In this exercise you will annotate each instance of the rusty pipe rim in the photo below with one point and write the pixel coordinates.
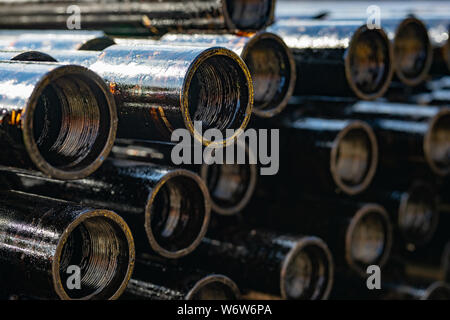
(214, 287)
(418, 215)
(109, 237)
(72, 159)
(380, 255)
(314, 251)
(354, 131)
(435, 143)
(234, 24)
(416, 30)
(362, 40)
(261, 48)
(170, 240)
(214, 63)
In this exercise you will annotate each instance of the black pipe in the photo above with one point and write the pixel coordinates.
(58, 119)
(439, 32)
(162, 88)
(269, 60)
(434, 291)
(408, 135)
(45, 40)
(358, 234)
(157, 16)
(230, 185)
(338, 58)
(20, 55)
(328, 154)
(156, 280)
(167, 209)
(41, 237)
(290, 267)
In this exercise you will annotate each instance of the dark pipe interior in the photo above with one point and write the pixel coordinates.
(100, 248)
(218, 94)
(369, 61)
(440, 142)
(71, 122)
(307, 274)
(269, 66)
(178, 213)
(214, 290)
(249, 14)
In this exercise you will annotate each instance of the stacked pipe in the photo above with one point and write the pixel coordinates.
(90, 120)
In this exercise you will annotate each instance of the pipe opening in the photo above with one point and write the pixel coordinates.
(271, 68)
(99, 247)
(417, 215)
(439, 144)
(249, 14)
(369, 239)
(72, 120)
(33, 56)
(97, 44)
(308, 273)
(230, 186)
(219, 94)
(369, 62)
(355, 158)
(177, 216)
(412, 52)
(214, 288)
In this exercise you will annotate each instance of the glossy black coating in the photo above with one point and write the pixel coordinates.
(267, 262)
(41, 123)
(45, 40)
(269, 60)
(21, 55)
(331, 57)
(157, 16)
(166, 280)
(230, 186)
(162, 88)
(167, 209)
(407, 134)
(40, 238)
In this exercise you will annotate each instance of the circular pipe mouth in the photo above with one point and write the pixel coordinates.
(368, 63)
(413, 52)
(437, 143)
(97, 44)
(248, 15)
(214, 287)
(272, 68)
(177, 214)
(70, 123)
(354, 158)
(307, 271)
(368, 239)
(418, 216)
(230, 186)
(100, 244)
(218, 93)
(437, 291)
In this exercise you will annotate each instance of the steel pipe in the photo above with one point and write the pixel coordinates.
(357, 61)
(230, 185)
(45, 40)
(155, 280)
(167, 209)
(58, 119)
(41, 238)
(330, 154)
(434, 291)
(269, 60)
(162, 88)
(19, 55)
(290, 267)
(157, 16)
